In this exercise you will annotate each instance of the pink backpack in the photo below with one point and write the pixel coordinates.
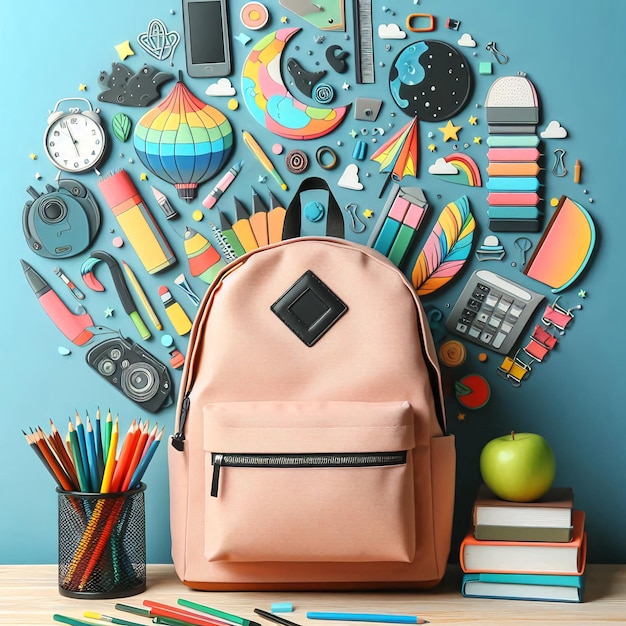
(310, 448)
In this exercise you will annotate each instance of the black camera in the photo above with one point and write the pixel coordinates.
(133, 371)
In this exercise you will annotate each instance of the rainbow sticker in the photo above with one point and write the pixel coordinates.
(457, 168)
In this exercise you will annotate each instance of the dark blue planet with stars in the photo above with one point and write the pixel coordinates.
(431, 80)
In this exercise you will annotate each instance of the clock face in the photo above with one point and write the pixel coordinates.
(75, 142)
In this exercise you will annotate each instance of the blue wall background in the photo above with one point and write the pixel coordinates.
(572, 53)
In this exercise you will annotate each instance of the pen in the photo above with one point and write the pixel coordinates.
(368, 617)
(218, 191)
(141, 294)
(110, 619)
(275, 618)
(256, 149)
(242, 621)
(76, 292)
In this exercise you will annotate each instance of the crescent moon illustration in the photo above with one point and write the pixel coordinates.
(270, 102)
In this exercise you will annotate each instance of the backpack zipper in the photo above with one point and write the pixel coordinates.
(178, 440)
(333, 459)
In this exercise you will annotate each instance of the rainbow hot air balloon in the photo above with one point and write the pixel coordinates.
(183, 140)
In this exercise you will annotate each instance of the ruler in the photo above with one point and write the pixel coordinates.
(364, 41)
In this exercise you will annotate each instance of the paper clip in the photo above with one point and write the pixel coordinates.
(413, 17)
(500, 56)
(356, 224)
(559, 168)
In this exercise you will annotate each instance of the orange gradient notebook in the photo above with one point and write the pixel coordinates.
(527, 557)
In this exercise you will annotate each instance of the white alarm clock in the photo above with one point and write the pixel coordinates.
(75, 140)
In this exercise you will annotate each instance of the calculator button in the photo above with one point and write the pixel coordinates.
(495, 321)
(461, 328)
(474, 305)
(516, 310)
(486, 337)
(506, 327)
(483, 317)
(504, 305)
(498, 340)
(474, 332)
(491, 300)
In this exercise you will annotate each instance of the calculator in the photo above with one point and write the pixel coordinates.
(492, 311)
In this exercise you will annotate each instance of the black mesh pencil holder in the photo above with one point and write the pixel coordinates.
(102, 544)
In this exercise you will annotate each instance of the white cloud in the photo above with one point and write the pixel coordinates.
(554, 130)
(441, 166)
(350, 178)
(390, 31)
(223, 87)
(467, 41)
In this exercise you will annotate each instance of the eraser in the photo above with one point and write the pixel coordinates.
(282, 607)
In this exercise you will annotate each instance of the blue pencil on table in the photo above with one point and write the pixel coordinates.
(367, 617)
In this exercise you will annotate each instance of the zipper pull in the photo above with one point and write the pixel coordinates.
(178, 440)
(217, 464)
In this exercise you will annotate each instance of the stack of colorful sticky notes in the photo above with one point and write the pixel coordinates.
(525, 550)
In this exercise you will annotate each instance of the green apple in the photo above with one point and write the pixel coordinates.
(519, 467)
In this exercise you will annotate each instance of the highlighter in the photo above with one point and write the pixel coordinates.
(180, 320)
(138, 224)
(75, 326)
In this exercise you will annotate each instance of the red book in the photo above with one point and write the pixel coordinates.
(527, 557)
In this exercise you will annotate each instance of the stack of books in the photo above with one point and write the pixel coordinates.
(525, 550)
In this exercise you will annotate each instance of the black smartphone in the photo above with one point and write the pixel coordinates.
(207, 39)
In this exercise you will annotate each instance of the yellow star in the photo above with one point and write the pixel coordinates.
(124, 50)
(32, 156)
(143, 176)
(461, 417)
(82, 87)
(477, 139)
(368, 213)
(284, 19)
(473, 120)
(450, 131)
(432, 147)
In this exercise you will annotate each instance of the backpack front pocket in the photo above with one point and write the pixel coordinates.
(300, 481)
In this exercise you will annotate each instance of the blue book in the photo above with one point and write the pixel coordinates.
(544, 587)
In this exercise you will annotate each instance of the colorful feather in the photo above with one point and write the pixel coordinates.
(447, 248)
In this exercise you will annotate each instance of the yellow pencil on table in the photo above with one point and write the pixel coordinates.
(141, 294)
(256, 149)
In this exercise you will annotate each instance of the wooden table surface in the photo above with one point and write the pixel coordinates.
(29, 595)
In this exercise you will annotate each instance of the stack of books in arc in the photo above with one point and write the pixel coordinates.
(525, 550)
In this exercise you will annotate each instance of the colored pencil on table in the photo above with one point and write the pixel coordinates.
(110, 619)
(367, 617)
(164, 610)
(242, 621)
